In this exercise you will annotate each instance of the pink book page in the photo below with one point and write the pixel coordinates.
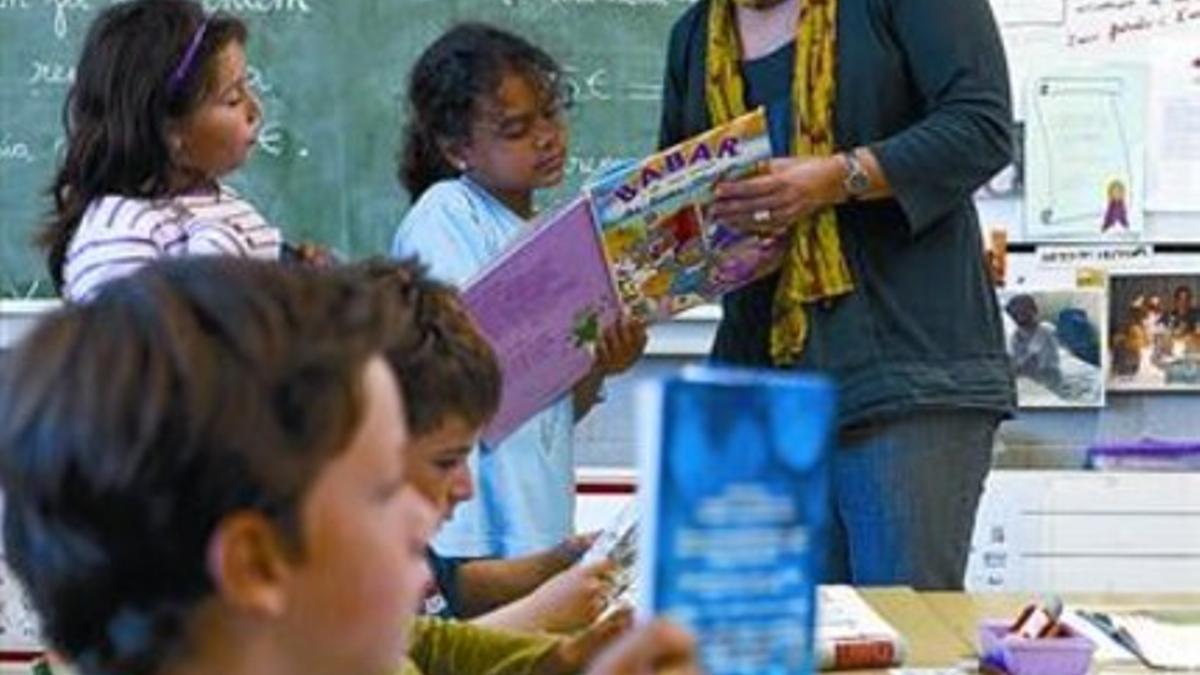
(542, 307)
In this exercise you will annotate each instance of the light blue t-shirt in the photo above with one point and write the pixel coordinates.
(525, 486)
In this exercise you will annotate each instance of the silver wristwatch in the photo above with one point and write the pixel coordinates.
(856, 182)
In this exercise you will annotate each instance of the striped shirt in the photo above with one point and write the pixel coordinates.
(117, 235)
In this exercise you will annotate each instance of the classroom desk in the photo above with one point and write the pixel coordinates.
(963, 611)
(940, 628)
(931, 641)
(958, 614)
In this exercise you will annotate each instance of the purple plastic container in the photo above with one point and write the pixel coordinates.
(1069, 654)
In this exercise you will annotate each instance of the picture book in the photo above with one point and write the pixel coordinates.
(734, 500)
(666, 254)
(618, 539)
(542, 306)
(638, 241)
(618, 542)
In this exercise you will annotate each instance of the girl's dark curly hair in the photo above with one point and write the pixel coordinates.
(463, 66)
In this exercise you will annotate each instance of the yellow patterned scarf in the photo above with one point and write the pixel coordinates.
(814, 267)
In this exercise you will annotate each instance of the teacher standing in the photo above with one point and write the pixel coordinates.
(885, 117)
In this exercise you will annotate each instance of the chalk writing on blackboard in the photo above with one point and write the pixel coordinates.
(258, 81)
(51, 73)
(587, 86)
(272, 139)
(62, 12)
(586, 165)
(644, 91)
(14, 150)
(597, 85)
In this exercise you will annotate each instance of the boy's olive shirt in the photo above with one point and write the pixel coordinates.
(445, 647)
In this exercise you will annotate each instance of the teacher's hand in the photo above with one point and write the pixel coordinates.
(769, 204)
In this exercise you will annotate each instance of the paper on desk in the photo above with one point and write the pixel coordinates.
(843, 614)
(1168, 638)
(1107, 651)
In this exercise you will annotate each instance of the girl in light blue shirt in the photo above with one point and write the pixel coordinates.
(485, 130)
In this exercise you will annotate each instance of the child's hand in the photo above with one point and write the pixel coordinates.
(659, 647)
(309, 255)
(573, 654)
(573, 547)
(573, 598)
(620, 346)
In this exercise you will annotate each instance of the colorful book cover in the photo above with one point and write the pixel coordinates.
(542, 305)
(667, 255)
(734, 490)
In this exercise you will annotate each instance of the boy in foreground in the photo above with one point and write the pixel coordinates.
(203, 472)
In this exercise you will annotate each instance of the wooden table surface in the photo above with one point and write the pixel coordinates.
(962, 612)
(930, 640)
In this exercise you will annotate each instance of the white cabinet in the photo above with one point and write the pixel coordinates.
(1046, 530)
(1087, 531)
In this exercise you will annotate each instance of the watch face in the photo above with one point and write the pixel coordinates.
(858, 182)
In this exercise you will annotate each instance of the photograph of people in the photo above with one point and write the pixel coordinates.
(1153, 331)
(1054, 343)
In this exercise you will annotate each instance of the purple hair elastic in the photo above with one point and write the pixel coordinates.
(184, 68)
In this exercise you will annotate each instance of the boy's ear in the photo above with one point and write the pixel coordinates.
(250, 564)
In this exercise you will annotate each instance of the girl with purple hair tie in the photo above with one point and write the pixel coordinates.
(148, 147)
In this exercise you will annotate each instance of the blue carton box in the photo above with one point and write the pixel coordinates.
(734, 490)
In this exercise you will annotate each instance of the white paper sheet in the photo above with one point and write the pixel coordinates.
(1173, 183)
(1085, 154)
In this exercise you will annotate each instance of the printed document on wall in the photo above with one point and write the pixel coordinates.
(1085, 154)
(1174, 137)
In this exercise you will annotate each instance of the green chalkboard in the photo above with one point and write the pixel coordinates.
(331, 74)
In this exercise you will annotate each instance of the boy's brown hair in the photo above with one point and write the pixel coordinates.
(132, 425)
(444, 365)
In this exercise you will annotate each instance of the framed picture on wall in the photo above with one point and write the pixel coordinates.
(1056, 344)
(1084, 154)
(1154, 331)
